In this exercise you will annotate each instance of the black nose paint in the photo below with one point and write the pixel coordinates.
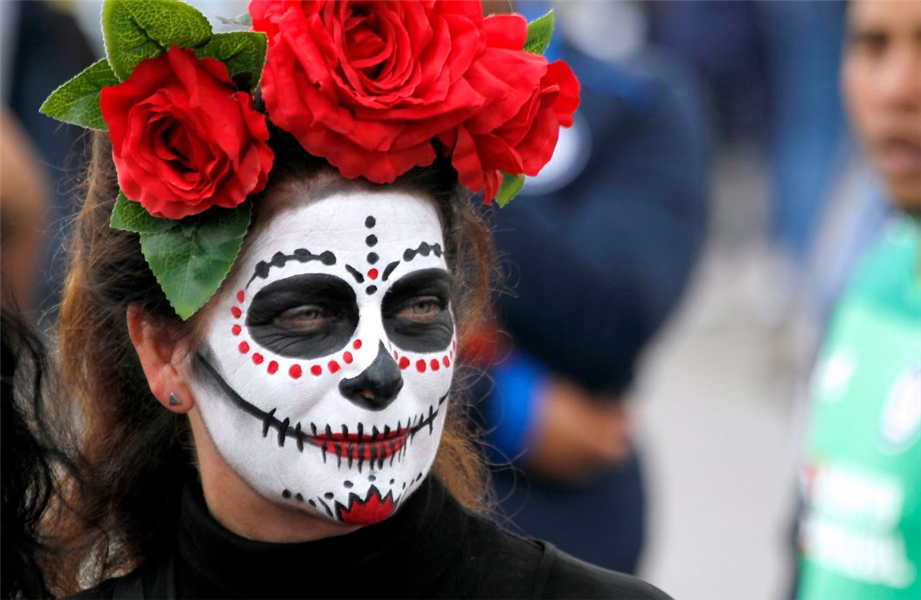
(377, 386)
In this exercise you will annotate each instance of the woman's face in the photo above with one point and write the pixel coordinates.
(325, 368)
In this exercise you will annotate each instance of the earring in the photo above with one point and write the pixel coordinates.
(174, 400)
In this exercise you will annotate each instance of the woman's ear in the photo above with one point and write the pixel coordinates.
(161, 358)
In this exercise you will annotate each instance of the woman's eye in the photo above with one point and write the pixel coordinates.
(421, 309)
(303, 318)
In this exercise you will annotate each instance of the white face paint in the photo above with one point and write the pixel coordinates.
(324, 376)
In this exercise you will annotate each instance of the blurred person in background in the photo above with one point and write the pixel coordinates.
(600, 246)
(23, 206)
(771, 68)
(803, 44)
(860, 533)
(42, 45)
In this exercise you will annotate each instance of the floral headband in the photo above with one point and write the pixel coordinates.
(376, 87)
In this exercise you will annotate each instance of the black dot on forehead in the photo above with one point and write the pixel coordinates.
(370, 222)
(370, 289)
(329, 495)
(371, 240)
(373, 257)
(348, 484)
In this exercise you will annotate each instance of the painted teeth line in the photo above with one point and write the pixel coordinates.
(352, 447)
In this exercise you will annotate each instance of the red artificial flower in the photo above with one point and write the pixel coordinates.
(369, 84)
(183, 138)
(374, 85)
(513, 135)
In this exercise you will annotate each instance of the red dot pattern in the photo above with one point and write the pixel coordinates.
(372, 274)
(236, 312)
(240, 296)
(296, 370)
(421, 365)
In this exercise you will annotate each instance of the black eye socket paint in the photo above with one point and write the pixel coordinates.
(419, 336)
(331, 294)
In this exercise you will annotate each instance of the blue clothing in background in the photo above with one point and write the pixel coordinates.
(804, 46)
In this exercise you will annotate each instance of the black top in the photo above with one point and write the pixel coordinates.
(432, 548)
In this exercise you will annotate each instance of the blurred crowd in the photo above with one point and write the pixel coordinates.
(822, 98)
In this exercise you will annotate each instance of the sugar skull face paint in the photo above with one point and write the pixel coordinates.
(324, 375)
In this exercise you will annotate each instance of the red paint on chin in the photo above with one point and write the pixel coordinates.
(372, 509)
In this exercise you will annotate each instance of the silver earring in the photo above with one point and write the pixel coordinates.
(174, 400)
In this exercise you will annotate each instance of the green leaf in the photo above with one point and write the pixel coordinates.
(539, 33)
(191, 261)
(242, 51)
(77, 101)
(511, 185)
(135, 30)
(129, 215)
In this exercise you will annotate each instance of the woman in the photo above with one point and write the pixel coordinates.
(295, 434)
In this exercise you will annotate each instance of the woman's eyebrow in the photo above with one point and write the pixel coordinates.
(280, 259)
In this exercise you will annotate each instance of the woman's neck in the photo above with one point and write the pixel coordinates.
(239, 508)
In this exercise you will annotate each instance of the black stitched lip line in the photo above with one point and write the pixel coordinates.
(376, 453)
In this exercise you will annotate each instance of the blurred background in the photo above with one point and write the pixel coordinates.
(669, 274)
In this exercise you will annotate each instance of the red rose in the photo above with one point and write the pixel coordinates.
(183, 138)
(514, 134)
(369, 84)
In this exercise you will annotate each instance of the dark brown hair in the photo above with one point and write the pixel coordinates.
(139, 454)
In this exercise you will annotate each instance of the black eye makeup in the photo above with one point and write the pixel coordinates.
(305, 316)
(415, 311)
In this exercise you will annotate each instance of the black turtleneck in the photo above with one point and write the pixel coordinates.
(432, 548)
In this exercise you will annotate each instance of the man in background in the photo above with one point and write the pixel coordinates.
(860, 534)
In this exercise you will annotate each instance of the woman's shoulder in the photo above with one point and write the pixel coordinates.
(522, 567)
(569, 577)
